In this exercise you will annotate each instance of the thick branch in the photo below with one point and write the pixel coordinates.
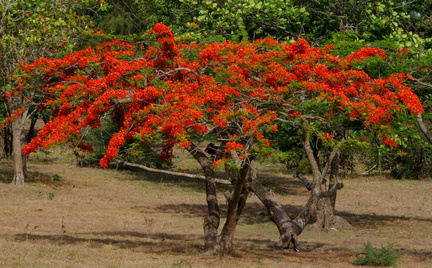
(305, 181)
(312, 161)
(334, 152)
(289, 230)
(423, 128)
(332, 190)
(174, 173)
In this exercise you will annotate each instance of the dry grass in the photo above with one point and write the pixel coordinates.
(113, 218)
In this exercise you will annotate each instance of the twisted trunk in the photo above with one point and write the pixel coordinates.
(322, 199)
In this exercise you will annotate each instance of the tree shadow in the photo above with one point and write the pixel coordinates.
(163, 243)
(256, 213)
(6, 175)
(419, 256)
(280, 184)
(362, 221)
(150, 243)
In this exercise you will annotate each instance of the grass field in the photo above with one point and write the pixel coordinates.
(87, 217)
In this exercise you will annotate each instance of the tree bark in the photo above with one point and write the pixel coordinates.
(326, 219)
(7, 141)
(322, 201)
(423, 128)
(288, 229)
(19, 160)
(212, 219)
(236, 203)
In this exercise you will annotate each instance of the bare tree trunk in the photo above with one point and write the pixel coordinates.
(322, 201)
(7, 136)
(236, 203)
(326, 218)
(212, 220)
(288, 229)
(19, 160)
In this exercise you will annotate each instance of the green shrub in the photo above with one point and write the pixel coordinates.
(371, 256)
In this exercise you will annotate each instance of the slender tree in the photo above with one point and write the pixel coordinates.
(30, 30)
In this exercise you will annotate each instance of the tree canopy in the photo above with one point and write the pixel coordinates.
(182, 90)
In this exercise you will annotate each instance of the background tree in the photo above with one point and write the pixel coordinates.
(230, 93)
(31, 30)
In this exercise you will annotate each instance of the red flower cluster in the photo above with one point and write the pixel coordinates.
(232, 145)
(390, 142)
(175, 92)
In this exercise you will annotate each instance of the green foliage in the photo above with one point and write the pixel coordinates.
(411, 160)
(371, 256)
(57, 178)
(37, 28)
(125, 17)
(121, 18)
(241, 20)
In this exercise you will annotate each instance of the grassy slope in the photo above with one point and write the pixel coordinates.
(113, 218)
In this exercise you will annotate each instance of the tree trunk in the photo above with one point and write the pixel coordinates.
(19, 160)
(7, 138)
(31, 131)
(288, 229)
(309, 210)
(317, 204)
(236, 203)
(326, 218)
(212, 219)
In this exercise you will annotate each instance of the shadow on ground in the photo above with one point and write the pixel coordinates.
(162, 243)
(280, 184)
(256, 213)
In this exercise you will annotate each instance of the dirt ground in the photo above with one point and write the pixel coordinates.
(69, 216)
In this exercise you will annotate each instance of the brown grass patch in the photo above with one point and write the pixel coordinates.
(115, 218)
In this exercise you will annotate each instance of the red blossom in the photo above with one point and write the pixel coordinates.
(390, 142)
(177, 91)
(232, 145)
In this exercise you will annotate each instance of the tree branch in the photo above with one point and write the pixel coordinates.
(423, 128)
(310, 155)
(332, 190)
(174, 173)
(305, 181)
(329, 161)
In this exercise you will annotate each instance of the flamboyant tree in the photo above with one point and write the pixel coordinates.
(234, 94)
(401, 28)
